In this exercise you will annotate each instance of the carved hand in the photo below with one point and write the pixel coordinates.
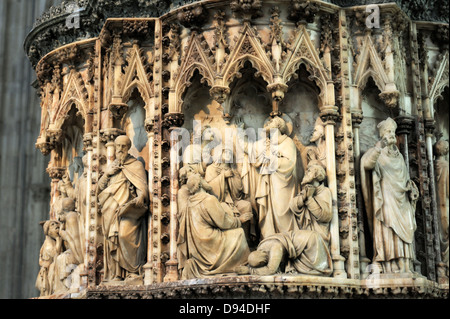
(245, 217)
(309, 190)
(381, 143)
(228, 173)
(240, 123)
(112, 169)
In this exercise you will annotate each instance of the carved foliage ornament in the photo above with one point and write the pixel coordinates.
(247, 8)
(303, 11)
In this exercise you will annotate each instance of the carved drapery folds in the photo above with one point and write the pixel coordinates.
(176, 92)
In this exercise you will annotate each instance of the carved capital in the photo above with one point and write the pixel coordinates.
(430, 126)
(54, 137)
(357, 119)
(118, 109)
(276, 113)
(219, 93)
(405, 124)
(329, 115)
(44, 147)
(278, 90)
(87, 141)
(149, 124)
(56, 173)
(173, 120)
(109, 135)
(390, 98)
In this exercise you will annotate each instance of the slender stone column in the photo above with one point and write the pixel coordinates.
(87, 141)
(148, 267)
(175, 120)
(440, 266)
(108, 137)
(357, 119)
(338, 260)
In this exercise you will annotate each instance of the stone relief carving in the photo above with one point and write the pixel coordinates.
(123, 199)
(50, 249)
(274, 158)
(318, 151)
(312, 207)
(441, 171)
(304, 250)
(210, 241)
(224, 75)
(69, 262)
(226, 183)
(390, 198)
(61, 257)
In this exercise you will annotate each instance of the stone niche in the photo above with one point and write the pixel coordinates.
(132, 91)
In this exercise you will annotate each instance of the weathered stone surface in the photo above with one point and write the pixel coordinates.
(315, 75)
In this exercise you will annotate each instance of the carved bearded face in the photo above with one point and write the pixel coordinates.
(389, 136)
(122, 144)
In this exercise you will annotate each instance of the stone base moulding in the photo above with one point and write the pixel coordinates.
(273, 287)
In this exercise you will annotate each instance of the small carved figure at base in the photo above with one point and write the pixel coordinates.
(50, 249)
(296, 252)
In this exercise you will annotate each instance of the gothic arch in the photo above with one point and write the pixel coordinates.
(441, 80)
(304, 52)
(76, 93)
(248, 48)
(370, 65)
(195, 59)
(137, 75)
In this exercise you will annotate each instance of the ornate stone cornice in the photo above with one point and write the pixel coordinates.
(52, 29)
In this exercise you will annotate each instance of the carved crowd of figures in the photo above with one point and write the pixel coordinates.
(253, 218)
(292, 216)
(253, 207)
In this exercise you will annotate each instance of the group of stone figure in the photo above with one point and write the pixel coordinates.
(123, 200)
(252, 218)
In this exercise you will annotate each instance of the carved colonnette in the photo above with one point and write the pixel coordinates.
(168, 65)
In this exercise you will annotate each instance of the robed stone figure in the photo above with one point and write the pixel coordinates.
(123, 197)
(442, 187)
(275, 160)
(226, 183)
(210, 241)
(390, 199)
(50, 250)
